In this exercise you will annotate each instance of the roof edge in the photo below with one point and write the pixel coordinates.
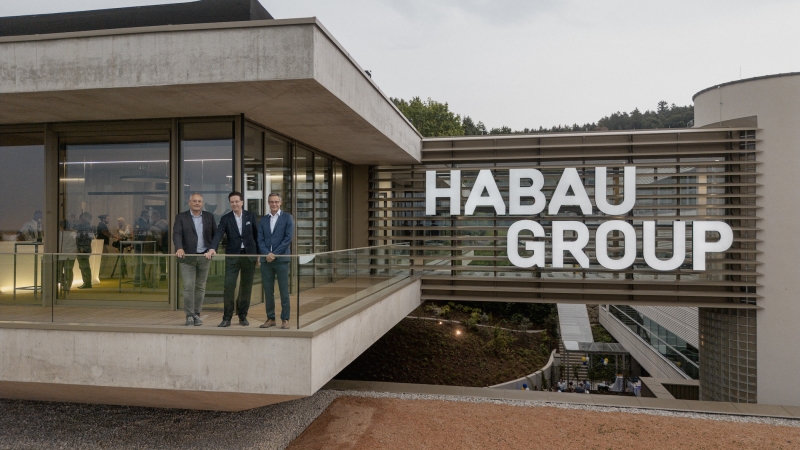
(162, 29)
(762, 77)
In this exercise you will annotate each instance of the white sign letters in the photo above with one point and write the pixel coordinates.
(571, 236)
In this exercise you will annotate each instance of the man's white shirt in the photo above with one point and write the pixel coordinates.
(273, 219)
(239, 224)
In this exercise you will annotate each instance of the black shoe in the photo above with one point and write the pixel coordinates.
(243, 321)
(189, 321)
(197, 321)
(85, 286)
(224, 323)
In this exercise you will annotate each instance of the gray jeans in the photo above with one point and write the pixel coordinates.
(194, 271)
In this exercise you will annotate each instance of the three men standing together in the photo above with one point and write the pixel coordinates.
(196, 233)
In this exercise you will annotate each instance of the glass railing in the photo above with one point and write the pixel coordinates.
(140, 287)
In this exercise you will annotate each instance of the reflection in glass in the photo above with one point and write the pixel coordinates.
(207, 164)
(341, 215)
(304, 216)
(103, 188)
(278, 170)
(206, 154)
(22, 185)
(21, 218)
(322, 204)
(254, 171)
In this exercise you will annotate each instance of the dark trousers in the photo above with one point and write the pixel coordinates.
(86, 270)
(269, 272)
(233, 266)
(65, 270)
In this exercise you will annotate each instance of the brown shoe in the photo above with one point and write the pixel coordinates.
(285, 325)
(268, 324)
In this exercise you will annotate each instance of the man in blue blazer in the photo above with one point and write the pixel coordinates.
(275, 239)
(242, 231)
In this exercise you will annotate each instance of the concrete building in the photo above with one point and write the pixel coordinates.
(128, 117)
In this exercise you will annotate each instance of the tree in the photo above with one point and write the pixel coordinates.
(471, 128)
(430, 117)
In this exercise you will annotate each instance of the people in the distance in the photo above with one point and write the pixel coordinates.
(274, 239)
(66, 261)
(241, 230)
(140, 235)
(162, 242)
(31, 230)
(123, 233)
(102, 232)
(83, 241)
(192, 234)
(161, 237)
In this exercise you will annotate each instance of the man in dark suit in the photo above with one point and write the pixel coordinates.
(242, 231)
(274, 239)
(192, 234)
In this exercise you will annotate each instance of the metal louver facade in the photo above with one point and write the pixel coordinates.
(682, 175)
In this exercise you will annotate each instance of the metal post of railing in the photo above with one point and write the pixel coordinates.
(297, 286)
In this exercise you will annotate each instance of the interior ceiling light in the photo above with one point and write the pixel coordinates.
(145, 178)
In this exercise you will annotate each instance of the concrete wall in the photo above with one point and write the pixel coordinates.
(289, 75)
(235, 364)
(336, 347)
(348, 82)
(199, 368)
(776, 103)
(158, 59)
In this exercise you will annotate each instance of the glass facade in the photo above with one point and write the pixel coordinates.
(114, 215)
(729, 367)
(118, 187)
(682, 354)
(207, 155)
(21, 215)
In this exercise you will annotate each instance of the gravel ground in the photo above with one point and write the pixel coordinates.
(42, 425)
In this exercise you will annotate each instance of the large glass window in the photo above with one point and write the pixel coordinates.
(254, 171)
(21, 216)
(22, 184)
(114, 213)
(305, 202)
(206, 154)
(207, 164)
(278, 170)
(341, 196)
(322, 204)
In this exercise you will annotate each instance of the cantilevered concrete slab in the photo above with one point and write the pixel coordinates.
(225, 369)
(289, 75)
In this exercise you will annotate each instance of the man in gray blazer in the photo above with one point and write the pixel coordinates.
(274, 239)
(192, 234)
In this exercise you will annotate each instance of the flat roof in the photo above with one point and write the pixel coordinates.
(290, 75)
(763, 77)
(191, 12)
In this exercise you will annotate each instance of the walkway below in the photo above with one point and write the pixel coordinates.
(690, 406)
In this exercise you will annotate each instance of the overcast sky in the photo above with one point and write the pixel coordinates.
(526, 63)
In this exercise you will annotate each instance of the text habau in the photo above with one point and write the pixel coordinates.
(571, 180)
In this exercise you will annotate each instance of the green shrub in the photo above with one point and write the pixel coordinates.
(501, 341)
